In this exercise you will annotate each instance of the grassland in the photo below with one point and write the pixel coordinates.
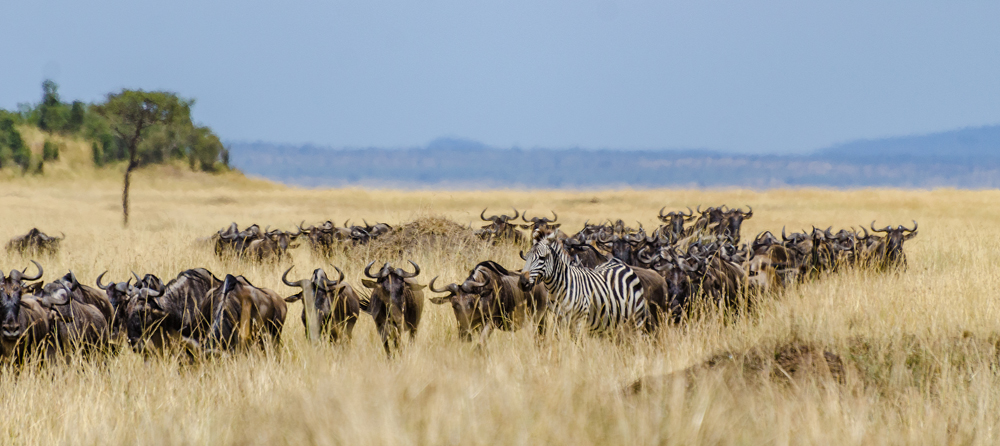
(919, 346)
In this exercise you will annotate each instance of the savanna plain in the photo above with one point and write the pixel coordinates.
(919, 346)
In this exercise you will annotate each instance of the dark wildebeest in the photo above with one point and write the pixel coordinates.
(682, 275)
(181, 311)
(245, 314)
(25, 325)
(492, 298)
(673, 224)
(542, 223)
(79, 324)
(232, 242)
(500, 228)
(35, 242)
(336, 304)
(396, 302)
(887, 252)
(84, 294)
(270, 246)
(118, 296)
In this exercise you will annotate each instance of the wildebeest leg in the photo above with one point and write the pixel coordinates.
(349, 329)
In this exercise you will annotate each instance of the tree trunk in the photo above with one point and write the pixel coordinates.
(128, 177)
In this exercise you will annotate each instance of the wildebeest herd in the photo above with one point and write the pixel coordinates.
(605, 278)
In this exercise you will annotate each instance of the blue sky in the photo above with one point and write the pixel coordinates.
(774, 77)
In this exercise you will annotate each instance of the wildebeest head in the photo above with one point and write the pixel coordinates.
(468, 300)
(734, 221)
(14, 284)
(500, 226)
(12, 288)
(679, 273)
(674, 220)
(59, 291)
(623, 245)
(145, 315)
(540, 222)
(763, 240)
(894, 238)
(283, 239)
(118, 296)
(323, 290)
(390, 287)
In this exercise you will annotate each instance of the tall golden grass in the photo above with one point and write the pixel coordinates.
(919, 345)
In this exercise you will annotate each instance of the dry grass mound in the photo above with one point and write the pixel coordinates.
(786, 363)
(424, 234)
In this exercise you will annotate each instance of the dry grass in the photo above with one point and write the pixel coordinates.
(918, 347)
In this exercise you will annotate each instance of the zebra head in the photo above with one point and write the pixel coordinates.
(541, 259)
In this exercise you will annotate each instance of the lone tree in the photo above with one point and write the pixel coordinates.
(132, 113)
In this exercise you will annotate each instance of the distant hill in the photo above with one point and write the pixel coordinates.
(971, 144)
(966, 158)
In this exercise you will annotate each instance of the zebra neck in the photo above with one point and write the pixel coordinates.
(560, 268)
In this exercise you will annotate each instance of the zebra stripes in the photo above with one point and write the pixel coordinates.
(605, 298)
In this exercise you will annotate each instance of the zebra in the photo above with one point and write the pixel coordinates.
(605, 298)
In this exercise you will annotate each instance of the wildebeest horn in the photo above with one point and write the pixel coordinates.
(886, 229)
(446, 289)
(341, 273)
(910, 230)
(284, 278)
(482, 215)
(661, 212)
(515, 213)
(346, 222)
(368, 272)
(698, 209)
(521, 253)
(103, 287)
(415, 273)
(37, 276)
(137, 279)
(749, 213)
(63, 236)
(783, 237)
(690, 212)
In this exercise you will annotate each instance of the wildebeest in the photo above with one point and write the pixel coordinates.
(396, 302)
(25, 325)
(78, 323)
(83, 294)
(180, 312)
(542, 223)
(117, 294)
(500, 228)
(887, 252)
(335, 304)
(673, 224)
(35, 242)
(245, 314)
(492, 298)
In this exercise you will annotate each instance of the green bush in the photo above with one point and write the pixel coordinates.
(97, 154)
(50, 151)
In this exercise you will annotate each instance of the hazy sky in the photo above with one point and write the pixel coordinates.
(772, 77)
